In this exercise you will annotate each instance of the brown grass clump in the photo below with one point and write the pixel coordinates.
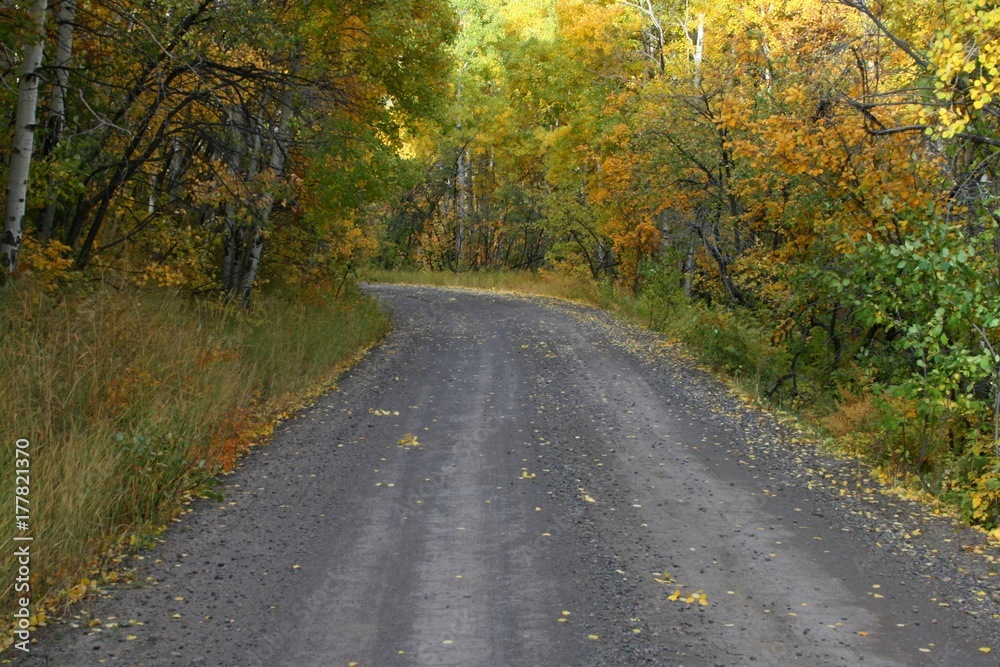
(133, 399)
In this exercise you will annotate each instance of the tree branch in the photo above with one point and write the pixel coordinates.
(862, 6)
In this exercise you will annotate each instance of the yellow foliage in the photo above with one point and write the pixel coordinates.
(50, 264)
(965, 59)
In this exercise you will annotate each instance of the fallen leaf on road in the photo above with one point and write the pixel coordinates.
(409, 440)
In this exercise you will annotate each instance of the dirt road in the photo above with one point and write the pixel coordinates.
(515, 481)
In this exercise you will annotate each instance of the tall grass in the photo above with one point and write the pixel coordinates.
(132, 399)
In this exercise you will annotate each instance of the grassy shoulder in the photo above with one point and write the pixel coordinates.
(132, 401)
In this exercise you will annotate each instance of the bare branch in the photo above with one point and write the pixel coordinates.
(862, 6)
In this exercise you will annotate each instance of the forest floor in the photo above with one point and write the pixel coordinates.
(516, 480)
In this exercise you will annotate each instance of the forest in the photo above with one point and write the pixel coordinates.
(803, 191)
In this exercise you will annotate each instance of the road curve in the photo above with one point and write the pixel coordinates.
(518, 481)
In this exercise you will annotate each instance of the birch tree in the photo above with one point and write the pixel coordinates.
(23, 143)
(56, 121)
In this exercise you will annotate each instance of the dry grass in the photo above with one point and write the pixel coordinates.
(130, 400)
(852, 415)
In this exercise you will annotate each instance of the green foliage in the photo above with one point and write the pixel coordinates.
(941, 314)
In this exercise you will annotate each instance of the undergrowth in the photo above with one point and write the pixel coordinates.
(133, 400)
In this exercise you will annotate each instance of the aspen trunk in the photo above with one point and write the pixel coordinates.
(23, 144)
(241, 162)
(699, 50)
(279, 151)
(65, 17)
(462, 205)
(231, 242)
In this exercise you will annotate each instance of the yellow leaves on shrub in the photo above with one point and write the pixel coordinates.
(985, 498)
(162, 275)
(965, 59)
(49, 263)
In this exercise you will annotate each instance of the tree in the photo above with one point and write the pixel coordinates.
(23, 143)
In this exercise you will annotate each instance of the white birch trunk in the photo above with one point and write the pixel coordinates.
(177, 163)
(151, 198)
(462, 205)
(65, 17)
(765, 46)
(699, 50)
(23, 144)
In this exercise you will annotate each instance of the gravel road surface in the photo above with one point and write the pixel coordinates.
(519, 481)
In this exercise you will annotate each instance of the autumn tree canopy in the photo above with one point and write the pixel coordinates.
(200, 143)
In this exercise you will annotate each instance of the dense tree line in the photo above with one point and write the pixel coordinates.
(186, 142)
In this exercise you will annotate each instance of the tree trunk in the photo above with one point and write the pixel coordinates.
(65, 17)
(232, 240)
(722, 261)
(279, 151)
(689, 272)
(462, 206)
(699, 50)
(22, 145)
